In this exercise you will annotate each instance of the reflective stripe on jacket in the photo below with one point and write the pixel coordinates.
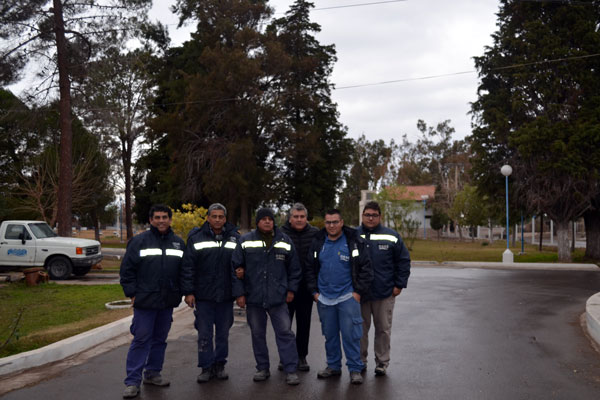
(269, 273)
(390, 260)
(206, 268)
(150, 269)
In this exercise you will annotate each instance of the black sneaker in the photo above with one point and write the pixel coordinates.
(303, 365)
(280, 366)
(380, 370)
(219, 371)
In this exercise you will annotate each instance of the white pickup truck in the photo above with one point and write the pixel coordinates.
(34, 244)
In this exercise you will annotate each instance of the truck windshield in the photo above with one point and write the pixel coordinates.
(42, 231)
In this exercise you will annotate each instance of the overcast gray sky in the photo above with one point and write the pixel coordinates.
(393, 41)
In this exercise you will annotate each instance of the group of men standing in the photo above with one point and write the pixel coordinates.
(275, 273)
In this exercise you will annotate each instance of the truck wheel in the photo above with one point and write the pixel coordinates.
(59, 268)
(81, 271)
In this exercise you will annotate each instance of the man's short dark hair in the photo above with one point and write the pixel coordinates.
(160, 208)
(334, 211)
(372, 205)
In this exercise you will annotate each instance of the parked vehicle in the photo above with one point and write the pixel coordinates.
(34, 244)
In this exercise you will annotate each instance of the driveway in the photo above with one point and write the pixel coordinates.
(458, 334)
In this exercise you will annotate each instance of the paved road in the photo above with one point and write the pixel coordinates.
(458, 334)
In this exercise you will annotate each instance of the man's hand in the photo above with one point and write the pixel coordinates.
(239, 272)
(190, 300)
(396, 291)
(132, 301)
(316, 296)
(356, 296)
(241, 301)
(290, 297)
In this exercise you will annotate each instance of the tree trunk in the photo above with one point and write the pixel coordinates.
(94, 216)
(65, 179)
(573, 236)
(592, 234)
(491, 231)
(126, 159)
(562, 236)
(244, 217)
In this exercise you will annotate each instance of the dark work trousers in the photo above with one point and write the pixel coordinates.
(150, 329)
(284, 337)
(211, 314)
(302, 307)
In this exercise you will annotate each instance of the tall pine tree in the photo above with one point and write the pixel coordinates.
(538, 109)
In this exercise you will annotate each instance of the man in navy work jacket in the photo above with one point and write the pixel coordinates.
(271, 273)
(302, 234)
(391, 264)
(150, 277)
(338, 277)
(206, 285)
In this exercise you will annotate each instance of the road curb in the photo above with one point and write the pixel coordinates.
(524, 266)
(592, 316)
(67, 347)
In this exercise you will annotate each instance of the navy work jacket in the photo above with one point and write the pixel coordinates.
(150, 269)
(389, 258)
(206, 267)
(269, 273)
(362, 273)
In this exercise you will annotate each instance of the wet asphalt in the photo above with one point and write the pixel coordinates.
(457, 334)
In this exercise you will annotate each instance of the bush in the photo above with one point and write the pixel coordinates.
(188, 218)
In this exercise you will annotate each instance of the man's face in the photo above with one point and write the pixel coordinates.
(298, 220)
(216, 220)
(333, 225)
(371, 218)
(265, 225)
(161, 221)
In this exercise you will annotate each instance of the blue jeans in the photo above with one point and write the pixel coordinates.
(150, 329)
(284, 337)
(344, 317)
(219, 315)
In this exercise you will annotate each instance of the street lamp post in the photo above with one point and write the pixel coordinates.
(507, 256)
(424, 198)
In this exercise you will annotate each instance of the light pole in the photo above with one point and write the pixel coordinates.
(424, 197)
(507, 256)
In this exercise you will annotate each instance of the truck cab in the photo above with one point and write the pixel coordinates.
(34, 244)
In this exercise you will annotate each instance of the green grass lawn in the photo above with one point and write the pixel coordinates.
(52, 312)
(432, 250)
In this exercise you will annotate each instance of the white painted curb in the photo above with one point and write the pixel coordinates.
(67, 347)
(592, 316)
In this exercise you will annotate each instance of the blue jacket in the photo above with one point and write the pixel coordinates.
(362, 273)
(390, 260)
(150, 269)
(269, 273)
(206, 266)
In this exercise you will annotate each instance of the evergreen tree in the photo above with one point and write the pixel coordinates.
(310, 148)
(538, 109)
(217, 123)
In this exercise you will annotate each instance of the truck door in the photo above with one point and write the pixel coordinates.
(13, 252)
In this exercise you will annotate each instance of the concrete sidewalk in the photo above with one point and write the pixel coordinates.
(105, 336)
